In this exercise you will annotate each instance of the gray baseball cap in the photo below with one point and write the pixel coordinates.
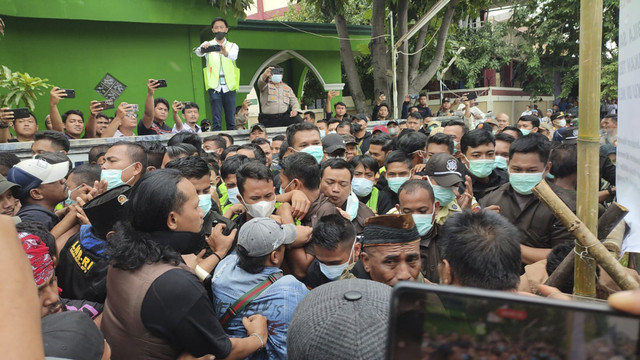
(261, 236)
(333, 142)
(341, 320)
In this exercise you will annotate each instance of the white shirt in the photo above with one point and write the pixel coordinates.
(186, 128)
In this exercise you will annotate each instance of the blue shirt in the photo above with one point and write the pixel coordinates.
(277, 303)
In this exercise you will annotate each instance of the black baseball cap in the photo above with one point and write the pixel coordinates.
(444, 168)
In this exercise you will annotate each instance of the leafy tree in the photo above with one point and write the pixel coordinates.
(550, 31)
(235, 7)
(488, 47)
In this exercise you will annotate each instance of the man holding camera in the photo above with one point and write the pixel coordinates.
(278, 102)
(221, 75)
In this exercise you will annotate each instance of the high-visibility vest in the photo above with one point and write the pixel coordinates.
(373, 200)
(229, 68)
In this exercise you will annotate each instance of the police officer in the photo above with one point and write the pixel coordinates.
(279, 104)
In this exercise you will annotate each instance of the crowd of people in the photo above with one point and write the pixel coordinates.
(270, 249)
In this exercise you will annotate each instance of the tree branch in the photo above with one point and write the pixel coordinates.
(415, 59)
(423, 78)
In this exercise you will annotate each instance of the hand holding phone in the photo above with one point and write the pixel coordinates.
(161, 83)
(20, 113)
(71, 94)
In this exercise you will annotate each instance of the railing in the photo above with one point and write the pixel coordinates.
(79, 150)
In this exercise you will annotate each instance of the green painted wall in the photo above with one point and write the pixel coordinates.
(144, 11)
(75, 43)
(79, 53)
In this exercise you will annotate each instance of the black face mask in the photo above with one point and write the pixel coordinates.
(220, 35)
(184, 242)
(356, 127)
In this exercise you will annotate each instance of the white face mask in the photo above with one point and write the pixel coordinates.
(261, 208)
(332, 272)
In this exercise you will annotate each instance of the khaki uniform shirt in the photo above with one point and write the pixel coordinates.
(277, 98)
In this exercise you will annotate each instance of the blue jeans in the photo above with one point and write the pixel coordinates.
(219, 100)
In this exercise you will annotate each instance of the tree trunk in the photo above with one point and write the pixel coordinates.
(415, 59)
(353, 79)
(378, 48)
(423, 78)
(403, 59)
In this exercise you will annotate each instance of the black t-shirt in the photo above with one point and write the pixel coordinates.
(385, 203)
(188, 322)
(315, 277)
(392, 200)
(155, 128)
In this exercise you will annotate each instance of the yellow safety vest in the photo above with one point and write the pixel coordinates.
(229, 68)
(373, 200)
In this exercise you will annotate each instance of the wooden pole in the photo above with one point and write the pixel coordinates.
(588, 138)
(589, 241)
(606, 224)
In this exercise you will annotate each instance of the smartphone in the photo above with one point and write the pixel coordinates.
(107, 104)
(20, 113)
(162, 83)
(253, 101)
(414, 96)
(135, 108)
(439, 321)
(471, 96)
(211, 48)
(277, 71)
(71, 94)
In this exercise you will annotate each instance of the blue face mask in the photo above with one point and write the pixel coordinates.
(204, 202)
(323, 133)
(522, 183)
(68, 201)
(233, 192)
(361, 186)
(276, 78)
(501, 162)
(443, 194)
(332, 272)
(525, 132)
(455, 146)
(550, 176)
(315, 151)
(284, 189)
(113, 177)
(481, 168)
(424, 222)
(395, 183)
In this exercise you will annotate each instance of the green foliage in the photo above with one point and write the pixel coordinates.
(357, 12)
(551, 30)
(235, 7)
(21, 87)
(485, 48)
(609, 78)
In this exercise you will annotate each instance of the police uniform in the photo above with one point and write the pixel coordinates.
(277, 101)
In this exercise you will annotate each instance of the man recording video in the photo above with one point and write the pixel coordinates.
(221, 76)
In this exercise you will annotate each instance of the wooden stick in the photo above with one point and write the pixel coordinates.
(607, 222)
(594, 247)
(610, 219)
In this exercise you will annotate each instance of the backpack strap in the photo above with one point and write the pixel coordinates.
(247, 298)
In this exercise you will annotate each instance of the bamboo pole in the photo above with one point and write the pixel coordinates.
(580, 231)
(611, 218)
(588, 137)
